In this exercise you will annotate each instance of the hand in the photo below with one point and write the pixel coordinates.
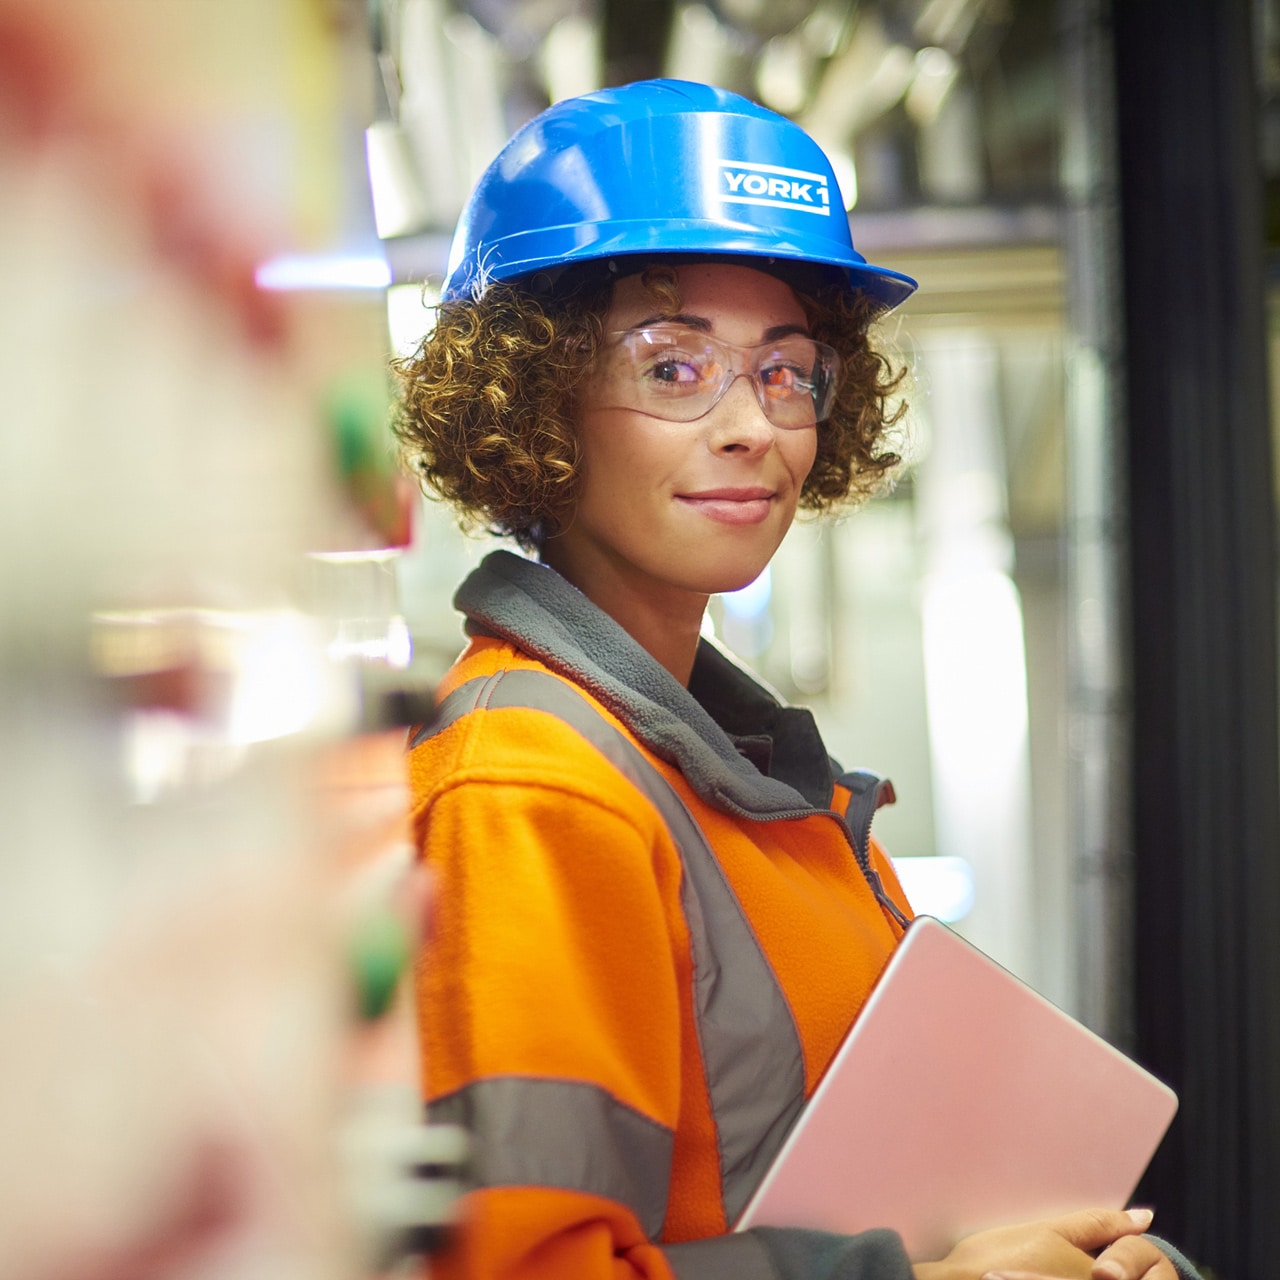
(1056, 1249)
(1129, 1258)
(1133, 1258)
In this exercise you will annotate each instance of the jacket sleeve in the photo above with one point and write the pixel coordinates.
(778, 1254)
(550, 1008)
(1182, 1265)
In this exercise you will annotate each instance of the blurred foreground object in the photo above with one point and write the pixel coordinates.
(404, 1176)
(177, 1055)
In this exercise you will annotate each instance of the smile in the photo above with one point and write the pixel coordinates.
(730, 506)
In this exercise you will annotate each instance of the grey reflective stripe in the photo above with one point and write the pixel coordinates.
(529, 1131)
(731, 1257)
(750, 1044)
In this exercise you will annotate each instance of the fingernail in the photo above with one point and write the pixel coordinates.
(1108, 1271)
(1143, 1217)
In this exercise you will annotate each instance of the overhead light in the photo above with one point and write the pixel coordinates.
(571, 58)
(935, 73)
(700, 48)
(846, 176)
(783, 74)
(323, 271)
(399, 205)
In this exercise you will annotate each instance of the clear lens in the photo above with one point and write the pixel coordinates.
(679, 374)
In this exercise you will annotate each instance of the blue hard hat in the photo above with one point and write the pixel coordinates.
(656, 168)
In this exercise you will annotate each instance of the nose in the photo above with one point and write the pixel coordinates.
(737, 423)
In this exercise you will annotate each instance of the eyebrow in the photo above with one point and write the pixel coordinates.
(703, 325)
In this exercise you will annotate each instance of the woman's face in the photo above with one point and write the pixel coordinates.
(687, 507)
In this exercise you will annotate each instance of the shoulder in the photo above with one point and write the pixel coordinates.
(506, 722)
(485, 656)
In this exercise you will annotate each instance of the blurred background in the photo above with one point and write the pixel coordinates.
(1057, 635)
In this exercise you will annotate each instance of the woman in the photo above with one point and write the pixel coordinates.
(658, 906)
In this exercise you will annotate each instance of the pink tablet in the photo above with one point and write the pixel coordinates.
(962, 1099)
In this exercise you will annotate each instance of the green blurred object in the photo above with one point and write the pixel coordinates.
(356, 404)
(356, 411)
(379, 956)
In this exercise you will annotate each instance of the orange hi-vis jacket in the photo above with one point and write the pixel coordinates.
(651, 929)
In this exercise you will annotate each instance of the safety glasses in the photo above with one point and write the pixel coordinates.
(680, 374)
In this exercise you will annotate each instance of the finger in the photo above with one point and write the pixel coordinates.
(1133, 1258)
(1091, 1229)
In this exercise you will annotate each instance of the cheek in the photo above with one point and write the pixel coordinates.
(800, 448)
(626, 453)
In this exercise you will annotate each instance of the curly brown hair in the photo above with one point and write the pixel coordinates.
(486, 420)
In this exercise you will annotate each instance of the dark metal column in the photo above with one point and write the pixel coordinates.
(1203, 568)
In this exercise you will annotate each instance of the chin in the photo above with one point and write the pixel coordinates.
(720, 580)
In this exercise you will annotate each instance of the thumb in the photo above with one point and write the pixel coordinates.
(1091, 1229)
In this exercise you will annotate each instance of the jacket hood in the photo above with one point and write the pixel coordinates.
(737, 744)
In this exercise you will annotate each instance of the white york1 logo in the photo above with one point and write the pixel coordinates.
(770, 184)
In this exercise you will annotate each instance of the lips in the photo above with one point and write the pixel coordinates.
(730, 505)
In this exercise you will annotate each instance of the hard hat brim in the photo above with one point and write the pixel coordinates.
(523, 256)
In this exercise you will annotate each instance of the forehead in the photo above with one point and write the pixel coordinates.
(738, 302)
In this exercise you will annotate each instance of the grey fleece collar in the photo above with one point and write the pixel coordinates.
(701, 729)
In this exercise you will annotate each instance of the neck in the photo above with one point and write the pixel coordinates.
(665, 621)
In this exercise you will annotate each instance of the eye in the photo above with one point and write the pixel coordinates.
(784, 379)
(673, 369)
